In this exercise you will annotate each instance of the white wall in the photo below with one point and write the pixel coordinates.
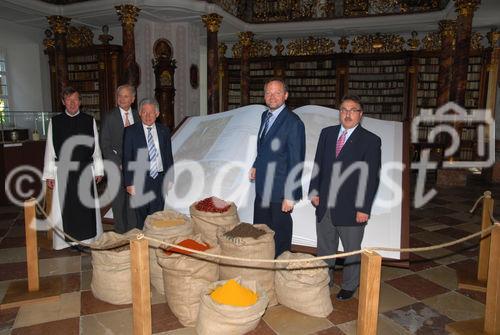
(185, 40)
(27, 67)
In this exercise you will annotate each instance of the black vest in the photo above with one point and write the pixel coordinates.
(64, 127)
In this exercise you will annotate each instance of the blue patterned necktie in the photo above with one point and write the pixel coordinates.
(266, 124)
(153, 168)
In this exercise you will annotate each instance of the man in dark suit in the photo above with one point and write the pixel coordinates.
(344, 182)
(112, 129)
(147, 183)
(277, 169)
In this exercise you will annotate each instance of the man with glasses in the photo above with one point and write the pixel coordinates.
(345, 181)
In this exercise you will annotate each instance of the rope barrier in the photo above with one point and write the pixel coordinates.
(307, 260)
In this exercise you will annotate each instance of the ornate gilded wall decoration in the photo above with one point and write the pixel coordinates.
(378, 43)
(291, 10)
(413, 42)
(49, 41)
(384, 6)
(343, 43)
(257, 49)
(311, 46)
(79, 37)
(128, 15)
(476, 41)
(279, 47)
(222, 50)
(212, 22)
(431, 41)
(493, 37)
(356, 7)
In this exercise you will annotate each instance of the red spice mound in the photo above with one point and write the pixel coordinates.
(189, 243)
(212, 205)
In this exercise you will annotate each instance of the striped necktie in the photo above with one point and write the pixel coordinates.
(266, 125)
(127, 121)
(153, 167)
(340, 143)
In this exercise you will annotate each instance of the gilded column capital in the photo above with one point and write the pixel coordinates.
(222, 49)
(127, 15)
(212, 22)
(466, 7)
(49, 42)
(343, 43)
(493, 38)
(245, 38)
(59, 24)
(447, 28)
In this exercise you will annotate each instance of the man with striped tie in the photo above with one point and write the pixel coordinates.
(345, 181)
(147, 182)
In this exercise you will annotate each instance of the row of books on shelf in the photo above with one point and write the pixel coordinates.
(259, 65)
(376, 62)
(426, 94)
(391, 91)
(82, 59)
(473, 76)
(313, 95)
(92, 75)
(426, 102)
(376, 85)
(309, 81)
(467, 154)
(474, 68)
(379, 69)
(472, 85)
(382, 108)
(308, 73)
(328, 88)
(85, 85)
(378, 99)
(261, 73)
(471, 94)
(428, 61)
(82, 67)
(375, 77)
(428, 76)
(428, 68)
(310, 65)
(427, 86)
(89, 98)
(471, 103)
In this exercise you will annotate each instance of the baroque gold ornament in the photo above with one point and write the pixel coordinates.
(311, 46)
(59, 24)
(127, 15)
(212, 22)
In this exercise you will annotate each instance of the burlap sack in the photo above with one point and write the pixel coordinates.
(168, 234)
(111, 276)
(185, 278)
(304, 289)
(206, 223)
(215, 318)
(249, 247)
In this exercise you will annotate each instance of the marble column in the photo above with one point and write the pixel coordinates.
(212, 23)
(59, 26)
(130, 73)
(224, 82)
(245, 39)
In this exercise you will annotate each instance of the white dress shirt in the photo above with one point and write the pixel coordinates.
(130, 116)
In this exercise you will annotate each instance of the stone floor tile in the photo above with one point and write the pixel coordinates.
(475, 295)
(262, 329)
(330, 331)
(433, 238)
(419, 263)
(456, 306)
(4, 285)
(113, 322)
(157, 297)
(10, 271)
(441, 275)
(163, 319)
(12, 255)
(59, 266)
(69, 326)
(454, 232)
(435, 227)
(391, 272)
(419, 319)
(385, 326)
(392, 298)
(13, 242)
(86, 263)
(449, 220)
(466, 267)
(85, 280)
(417, 287)
(286, 321)
(442, 256)
(68, 252)
(343, 311)
(92, 305)
(181, 331)
(7, 318)
(68, 306)
(468, 227)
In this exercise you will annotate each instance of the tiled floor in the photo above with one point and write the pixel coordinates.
(418, 300)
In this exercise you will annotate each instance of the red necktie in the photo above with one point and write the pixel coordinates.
(340, 143)
(127, 122)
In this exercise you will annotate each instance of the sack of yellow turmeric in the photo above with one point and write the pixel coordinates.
(225, 318)
(164, 225)
(186, 275)
(247, 246)
(304, 286)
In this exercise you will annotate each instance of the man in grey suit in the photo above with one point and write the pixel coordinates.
(111, 145)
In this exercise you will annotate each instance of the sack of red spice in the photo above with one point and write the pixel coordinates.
(211, 213)
(186, 275)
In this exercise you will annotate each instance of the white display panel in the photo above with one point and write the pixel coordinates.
(214, 153)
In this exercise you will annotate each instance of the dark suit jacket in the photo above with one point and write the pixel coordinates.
(361, 146)
(135, 139)
(284, 145)
(112, 135)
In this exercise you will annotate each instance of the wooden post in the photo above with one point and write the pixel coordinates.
(490, 325)
(484, 246)
(141, 293)
(31, 245)
(369, 290)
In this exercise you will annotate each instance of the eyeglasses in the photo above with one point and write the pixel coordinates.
(345, 110)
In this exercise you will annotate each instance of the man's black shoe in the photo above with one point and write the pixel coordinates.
(345, 295)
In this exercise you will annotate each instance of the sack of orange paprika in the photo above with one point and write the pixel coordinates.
(186, 275)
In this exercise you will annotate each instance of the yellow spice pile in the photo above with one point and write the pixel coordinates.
(232, 293)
